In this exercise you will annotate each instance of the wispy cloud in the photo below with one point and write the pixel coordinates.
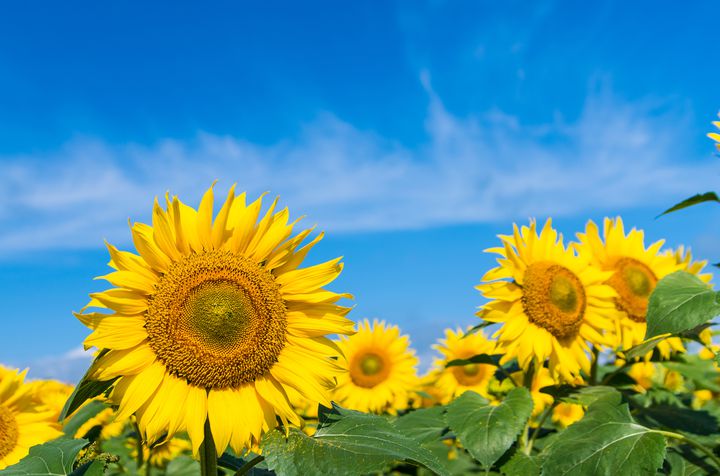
(67, 367)
(616, 155)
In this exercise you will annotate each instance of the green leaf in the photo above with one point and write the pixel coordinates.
(477, 359)
(694, 200)
(346, 443)
(676, 464)
(580, 395)
(686, 420)
(488, 431)
(84, 391)
(476, 328)
(521, 465)
(182, 466)
(52, 458)
(680, 302)
(424, 425)
(92, 468)
(644, 347)
(605, 442)
(82, 416)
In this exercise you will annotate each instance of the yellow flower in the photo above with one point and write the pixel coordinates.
(643, 373)
(635, 272)
(24, 422)
(552, 305)
(565, 414)
(213, 319)
(109, 426)
(701, 397)
(52, 394)
(683, 258)
(714, 135)
(382, 369)
(454, 381)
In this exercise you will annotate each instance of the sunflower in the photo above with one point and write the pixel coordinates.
(382, 369)
(24, 422)
(714, 135)
(541, 378)
(51, 393)
(105, 422)
(454, 381)
(552, 304)
(212, 320)
(635, 272)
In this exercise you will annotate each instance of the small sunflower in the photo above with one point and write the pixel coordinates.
(24, 422)
(551, 303)
(635, 272)
(52, 394)
(382, 369)
(456, 380)
(565, 414)
(428, 393)
(714, 135)
(105, 423)
(212, 320)
(161, 454)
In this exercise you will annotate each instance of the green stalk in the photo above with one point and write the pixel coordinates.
(691, 442)
(249, 465)
(594, 366)
(527, 383)
(208, 453)
(139, 447)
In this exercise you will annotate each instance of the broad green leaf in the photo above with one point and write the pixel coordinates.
(346, 443)
(456, 461)
(476, 359)
(521, 465)
(680, 302)
(694, 200)
(82, 416)
(84, 391)
(52, 458)
(580, 395)
(93, 468)
(679, 466)
(605, 442)
(487, 431)
(686, 420)
(424, 425)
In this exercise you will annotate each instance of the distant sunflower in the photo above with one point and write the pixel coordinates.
(51, 393)
(552, 304)
(382, 369)
(635, 272)
(24, 422)
(565, 414)
(456, 380)
(213, 319)
(541, 379)
(714, 135)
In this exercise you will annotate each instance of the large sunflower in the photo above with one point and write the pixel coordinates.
(213, 319)
(456, 380)
(552, 304)
(382, 369)
(24, 422)
(635, 270)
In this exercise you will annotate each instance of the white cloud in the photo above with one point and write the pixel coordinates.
(67, 367)
(490, 167)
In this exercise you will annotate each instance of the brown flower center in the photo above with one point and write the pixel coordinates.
(8, 432)
(472, 374)
(217, 320)
(634, 282)
(368, 369)
(553, 298)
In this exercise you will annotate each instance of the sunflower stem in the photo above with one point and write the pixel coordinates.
(527, 383)
(679, 436)
(208, 453)
(249, 465)
(594, 366)
(139, 447)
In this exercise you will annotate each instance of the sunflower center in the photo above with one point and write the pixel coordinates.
(634, 282)
(553, 298)
(371, 364)
(368, 369)
(8, 432)
(471, 374)
(217, 320)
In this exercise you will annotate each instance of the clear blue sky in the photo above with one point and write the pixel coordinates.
(412, 132)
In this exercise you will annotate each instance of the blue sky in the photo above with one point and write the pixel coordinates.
(412, 132)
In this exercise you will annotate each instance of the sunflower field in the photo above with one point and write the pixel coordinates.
(218, 351)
